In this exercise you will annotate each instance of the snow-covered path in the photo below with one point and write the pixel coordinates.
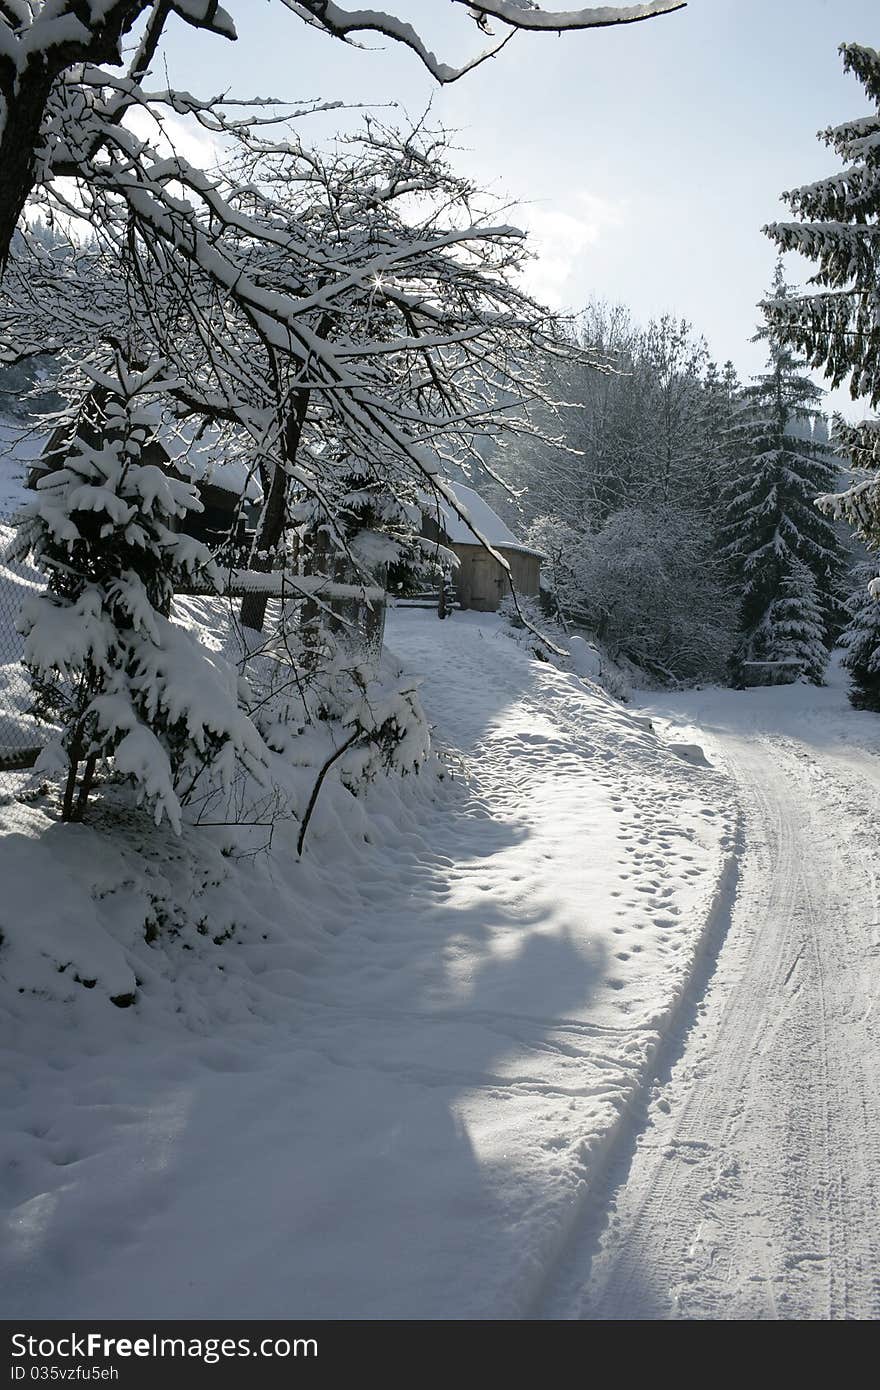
(375, 1084)
(754, 1187)
(412, 1075)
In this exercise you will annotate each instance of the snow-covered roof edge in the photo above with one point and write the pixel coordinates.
(482, 518)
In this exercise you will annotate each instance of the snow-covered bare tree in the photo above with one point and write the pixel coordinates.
(646, 585)
(354, 303)
(66, 83)
(672, 361)
(776, 472)
(644, 441)
(720, 397)
(574, 469)
(634, 434)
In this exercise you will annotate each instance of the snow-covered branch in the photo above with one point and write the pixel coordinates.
(343, 24)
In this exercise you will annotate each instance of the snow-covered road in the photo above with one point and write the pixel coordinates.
(752, 1187)
(380, 1082)
(423, 1073)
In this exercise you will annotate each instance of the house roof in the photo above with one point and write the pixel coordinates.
(482, 517)
(201, 454)
(204, 454)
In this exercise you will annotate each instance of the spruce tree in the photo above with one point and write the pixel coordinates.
(776, 471)
(838, 324)
(793, 628)
(861, 639)
(110, 670)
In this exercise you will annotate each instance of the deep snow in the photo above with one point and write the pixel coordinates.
(377, 1083)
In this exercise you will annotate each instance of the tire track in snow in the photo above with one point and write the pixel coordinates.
(752, 1189)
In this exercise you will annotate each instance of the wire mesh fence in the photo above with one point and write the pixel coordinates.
(21, 737)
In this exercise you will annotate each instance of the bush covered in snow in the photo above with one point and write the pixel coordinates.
(630, 581)
(547, 639)
(365, 717)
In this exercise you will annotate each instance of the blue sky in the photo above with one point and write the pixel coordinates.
(645, 158)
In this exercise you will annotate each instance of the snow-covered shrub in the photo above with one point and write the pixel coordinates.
(646, 584)
(531, 625)
(586, 659)
(389, 729)
(566, 650)
(110, 670)
(363, 720)
(374, 709)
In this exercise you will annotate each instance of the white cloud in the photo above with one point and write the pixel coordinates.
(560, 234)
(175, 134)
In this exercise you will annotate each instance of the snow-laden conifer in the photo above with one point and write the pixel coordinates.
(861, 639)
(117, 678)
(776, 471)
(794, 628)
(837, 325)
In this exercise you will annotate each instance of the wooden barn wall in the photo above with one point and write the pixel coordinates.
(480, 581)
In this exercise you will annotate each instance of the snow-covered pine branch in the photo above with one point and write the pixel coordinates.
(861, 638)
(837, 325)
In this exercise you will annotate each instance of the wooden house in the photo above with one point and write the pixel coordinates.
(228, 490)
(480, 582)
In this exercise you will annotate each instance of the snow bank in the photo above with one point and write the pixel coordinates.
(373, 1083)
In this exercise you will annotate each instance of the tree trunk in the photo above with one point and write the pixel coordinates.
(253, 606)
(67, 813)
(18, 143)
(26, 79)
(85, 787)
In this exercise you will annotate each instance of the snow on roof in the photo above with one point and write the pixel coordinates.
(204, 454)
(487, 522)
